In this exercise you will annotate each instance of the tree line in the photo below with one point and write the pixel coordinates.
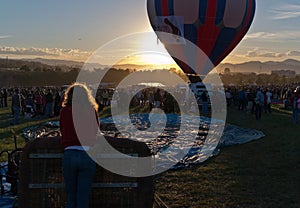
(259, 79)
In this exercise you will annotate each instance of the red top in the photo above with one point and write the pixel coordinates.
(86, 127)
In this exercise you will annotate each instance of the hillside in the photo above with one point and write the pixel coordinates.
(39, 64)
(262, 67)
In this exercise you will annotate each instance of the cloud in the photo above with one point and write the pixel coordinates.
(280, 36)
(286, 11)
(271, 54)
(252, 54)
(260, 35)
(45, 52)
(293, 53)
(5, 36)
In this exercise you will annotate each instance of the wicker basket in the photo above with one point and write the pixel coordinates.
(41, 182)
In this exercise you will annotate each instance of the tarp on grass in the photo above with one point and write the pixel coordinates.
(232, 135)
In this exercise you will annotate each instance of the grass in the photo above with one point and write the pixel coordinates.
(8, 131)
(264, 173)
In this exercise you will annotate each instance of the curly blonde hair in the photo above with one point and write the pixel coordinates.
(83, 96)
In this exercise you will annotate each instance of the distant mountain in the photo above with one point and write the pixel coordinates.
(67, 63)
(56, 62)
(19, 63)
(292, 62)
(77, 64)
(262, 67)
(247, 67)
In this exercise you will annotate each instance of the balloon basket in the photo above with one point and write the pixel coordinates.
(41, 182)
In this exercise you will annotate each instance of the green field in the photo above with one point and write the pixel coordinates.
(8, 131)
(264, 173)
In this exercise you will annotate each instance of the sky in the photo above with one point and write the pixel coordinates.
(74, 29)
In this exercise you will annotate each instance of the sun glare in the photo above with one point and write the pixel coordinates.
(156, 59)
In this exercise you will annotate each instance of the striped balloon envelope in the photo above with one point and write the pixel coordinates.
(214, 26)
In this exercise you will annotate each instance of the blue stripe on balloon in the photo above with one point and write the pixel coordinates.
(190, 33)
(221, 4)
(158, 8)
(202, 10)
(227, 35)
(171, 7)
(252, 13)
(246, 13)
(224, 40)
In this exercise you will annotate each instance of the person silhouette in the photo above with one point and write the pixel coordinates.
(77, 167)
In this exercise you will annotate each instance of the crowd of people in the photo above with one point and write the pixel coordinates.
(168, 99)
(258, 99)
(3, 98)
(148, 98)
(46, 102)
(32, 102)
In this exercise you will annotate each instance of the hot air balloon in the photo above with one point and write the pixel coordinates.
(215, 26)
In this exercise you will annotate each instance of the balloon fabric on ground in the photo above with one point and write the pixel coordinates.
(215, 26)
(232, 135)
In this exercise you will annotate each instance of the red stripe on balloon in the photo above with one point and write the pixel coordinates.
(209, 32)
(165, 7)
(239, 36)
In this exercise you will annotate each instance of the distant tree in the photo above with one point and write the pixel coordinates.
(25, 68)
(37, 69)
(58, 68)
(283, 80)
(274, 78)
(297, 78)
(75, 70)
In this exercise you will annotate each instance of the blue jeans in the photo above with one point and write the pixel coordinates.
(295, 115)
(78, 170)
(16, 114)
(49, 109)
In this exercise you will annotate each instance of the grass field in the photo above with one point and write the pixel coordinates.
(8, 131)
(264, 173)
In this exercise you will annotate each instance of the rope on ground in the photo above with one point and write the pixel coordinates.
(159, 202)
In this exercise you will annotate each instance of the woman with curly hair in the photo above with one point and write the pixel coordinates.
(79, 126)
